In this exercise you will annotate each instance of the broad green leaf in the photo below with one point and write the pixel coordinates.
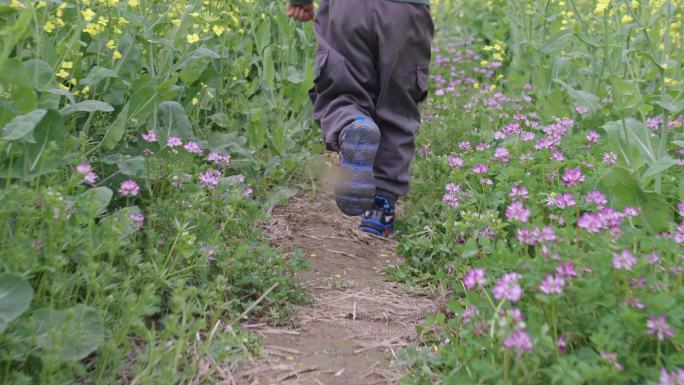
(263, 37)
(268, 75)
(22, 126)
(50, 129)
(622, 188)
(70, 334)
(637, 134)
(116, 130)
(87, 106)
(196, 62)
(40, 73)
(658, 167)
(294, 75)
(120, 222)
(97, 74)
(173, 121)
(581, 98)
(61, 92)
(142, 104)
(17, 86)
(656, 212)
(672, 105)
(15, 297)
(96, 200)
(134, 167)
(220, 119)
(557, 42)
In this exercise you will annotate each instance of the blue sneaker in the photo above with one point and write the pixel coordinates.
(355, 187)
(379, 220)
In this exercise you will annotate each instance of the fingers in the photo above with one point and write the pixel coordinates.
(300, 12)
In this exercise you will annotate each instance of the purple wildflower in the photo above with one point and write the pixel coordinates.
(610, 158)
(90, 178)
(631, 211)
(174, 142)
(624, 260)
(516, 211)
(561, 344)
(150, 136)
(680, 208)
(676, 377)
(193, 147)
(659, 327)
(558, 156)
(84, 168)
(612, 358)
(573, 176)
(455, 161)
(518, 191)
(596, 197)
(593, 136)
(636, 303)
(582, 110)
(501, 154)
(590, 222)
(210, 179)
(129, 188)
(480, 169)
(469, 313)
(519, 340)
(566, 270)
(565, 200)
(508, 287)
(552, 284)
(219, 159)
(138, 220)
(247, 192)
(473, 278)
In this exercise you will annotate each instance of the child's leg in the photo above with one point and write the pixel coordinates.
(345, 77)
(404, 35)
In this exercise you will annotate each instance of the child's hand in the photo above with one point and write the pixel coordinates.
(304, 12)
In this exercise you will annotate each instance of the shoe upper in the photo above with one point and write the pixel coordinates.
(379, 219)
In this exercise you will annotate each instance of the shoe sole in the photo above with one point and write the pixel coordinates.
(372, 230)
(355, 189)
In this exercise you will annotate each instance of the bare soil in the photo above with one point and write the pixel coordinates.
(358, 320)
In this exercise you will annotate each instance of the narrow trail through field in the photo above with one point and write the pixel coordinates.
(357, 321)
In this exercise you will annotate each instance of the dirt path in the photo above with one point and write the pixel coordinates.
(357, 321)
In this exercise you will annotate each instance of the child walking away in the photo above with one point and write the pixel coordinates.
(371, 72)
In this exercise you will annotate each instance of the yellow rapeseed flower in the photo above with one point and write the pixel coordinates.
(67, 65)
(601, 7)
(88, 14)
(626, 19)
(62, 74)
(133, 3)
(16, 4)
(41, 4)
(111, 44)
(116, 55)
(218, 30)
(195, 101)
(48, 27)
(193, 38)
(176, 22)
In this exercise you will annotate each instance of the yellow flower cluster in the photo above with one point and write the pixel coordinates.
(497, 49)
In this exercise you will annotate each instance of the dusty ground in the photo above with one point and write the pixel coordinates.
(357, 321)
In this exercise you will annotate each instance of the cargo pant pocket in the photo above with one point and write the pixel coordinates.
(319, 66)
(417, 83)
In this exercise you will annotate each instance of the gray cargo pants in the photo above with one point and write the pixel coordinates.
(372, 59)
